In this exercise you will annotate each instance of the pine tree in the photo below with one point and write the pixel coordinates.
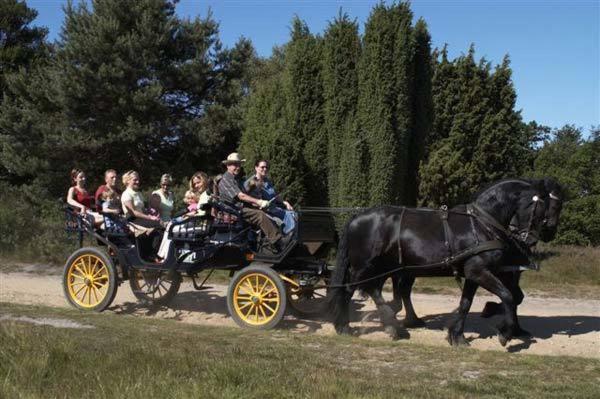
(20, 44)
(341, 52)
(130, 86)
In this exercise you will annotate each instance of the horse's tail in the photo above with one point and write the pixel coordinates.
(339, 294)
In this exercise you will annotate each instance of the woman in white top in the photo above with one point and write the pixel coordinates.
(133, 205)
(166, 197)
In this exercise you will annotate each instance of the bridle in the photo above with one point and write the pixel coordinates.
(523, 234)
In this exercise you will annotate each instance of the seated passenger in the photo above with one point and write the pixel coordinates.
(231, 189)
(133, 206)
(79, 198)
(110, 183)
(110, 203)
(166, 197)
(260, 186)
(194, 208)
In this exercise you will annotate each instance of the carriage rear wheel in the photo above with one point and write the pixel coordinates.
(256, 298)
(90, 279)
(154, 287)
(308, 300)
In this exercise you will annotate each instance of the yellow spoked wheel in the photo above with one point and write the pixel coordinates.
(89, 279)
(257, 298)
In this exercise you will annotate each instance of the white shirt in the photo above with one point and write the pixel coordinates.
(136, 199)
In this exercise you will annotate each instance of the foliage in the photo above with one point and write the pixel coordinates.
(341, 52)
(303, 90)
(131, 86)
(478, 137)
(21, 45)
(575, 163)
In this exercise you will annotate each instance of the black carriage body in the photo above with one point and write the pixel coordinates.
(223, 242)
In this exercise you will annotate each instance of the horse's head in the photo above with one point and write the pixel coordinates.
(518, 204)
(554, 201)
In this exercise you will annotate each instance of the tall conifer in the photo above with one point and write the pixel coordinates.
(422, 111)
(304, 100)
(385, 100)
(341, 51)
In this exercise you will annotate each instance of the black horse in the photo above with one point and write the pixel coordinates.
(471, 241)
(553, 197)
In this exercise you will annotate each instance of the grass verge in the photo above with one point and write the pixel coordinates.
(141, 358)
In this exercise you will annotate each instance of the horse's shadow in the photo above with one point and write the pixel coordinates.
(543, 327)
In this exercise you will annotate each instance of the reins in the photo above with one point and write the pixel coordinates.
(475, 213)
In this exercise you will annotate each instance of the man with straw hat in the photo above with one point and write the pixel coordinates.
(231, 188)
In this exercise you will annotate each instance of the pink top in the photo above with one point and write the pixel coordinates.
(193, 207)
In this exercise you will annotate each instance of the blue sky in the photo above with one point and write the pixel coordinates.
(554, 45)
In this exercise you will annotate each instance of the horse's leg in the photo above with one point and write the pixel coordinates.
(341, 307)
(411, 320)
(511, 281)
(396, 303)
(487, 280)
(386, 314)
(456, 328)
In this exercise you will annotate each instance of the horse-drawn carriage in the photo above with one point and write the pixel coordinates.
(261, 288)
(485, 242)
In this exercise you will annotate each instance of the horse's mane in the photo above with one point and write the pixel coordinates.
(497, 183)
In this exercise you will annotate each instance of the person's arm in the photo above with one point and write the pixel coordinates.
(107, 209)
(71, 200)
(128, 203)
(251, 200)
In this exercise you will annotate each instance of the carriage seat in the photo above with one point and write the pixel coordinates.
(190, 229)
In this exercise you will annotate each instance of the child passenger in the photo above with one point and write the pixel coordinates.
(194, 208)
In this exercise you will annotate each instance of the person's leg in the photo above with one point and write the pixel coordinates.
(258, 218)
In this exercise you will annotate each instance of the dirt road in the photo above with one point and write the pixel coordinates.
(560, 326)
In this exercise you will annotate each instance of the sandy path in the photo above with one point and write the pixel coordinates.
(560, 326)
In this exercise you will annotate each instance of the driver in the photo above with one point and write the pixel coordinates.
(231, 189)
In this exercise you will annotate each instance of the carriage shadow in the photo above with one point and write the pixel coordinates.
(205, 301)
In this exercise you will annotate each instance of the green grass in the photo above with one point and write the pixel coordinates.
(130, 357)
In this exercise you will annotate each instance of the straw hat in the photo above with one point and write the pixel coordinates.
(234, 157)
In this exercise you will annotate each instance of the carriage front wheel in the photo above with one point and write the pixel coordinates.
(256, 297)
(89, 279)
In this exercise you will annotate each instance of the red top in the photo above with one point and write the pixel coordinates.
(83, 198)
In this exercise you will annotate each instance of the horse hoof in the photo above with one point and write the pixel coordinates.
(457, 340)
(343, 330)
(392, 332)
(519, 332)
(491, 309)
(503, 339)
(413, 323)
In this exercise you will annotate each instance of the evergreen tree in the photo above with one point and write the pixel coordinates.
(304, 100)
(20, 44)
(341, 52)
(422, 111)
(502, 148)
(449, 176)
(385, 100)
(266, 136)
(574, 162)
(131, 86)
